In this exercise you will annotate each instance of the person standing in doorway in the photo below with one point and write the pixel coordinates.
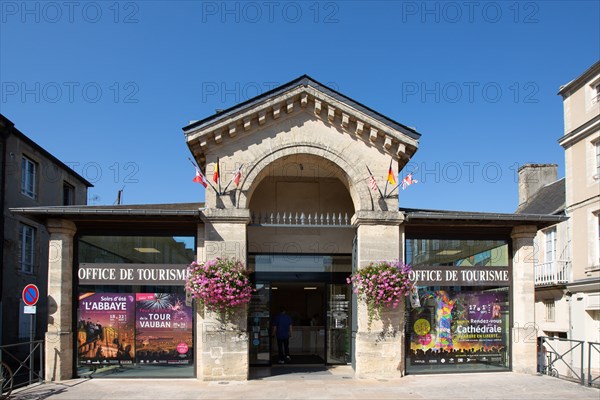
(282, 330)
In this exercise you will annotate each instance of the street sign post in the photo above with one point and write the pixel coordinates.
(31, 294)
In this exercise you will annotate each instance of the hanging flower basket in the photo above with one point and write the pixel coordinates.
(381, 284)
(220, 285)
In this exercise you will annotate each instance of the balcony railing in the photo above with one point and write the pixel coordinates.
(301, 219)
(552, 273)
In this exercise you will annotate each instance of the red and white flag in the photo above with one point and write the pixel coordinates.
(199, 178)
(237, 176)
(373, 184)
(408, 180)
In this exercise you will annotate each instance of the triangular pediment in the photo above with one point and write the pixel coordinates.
(303, 94)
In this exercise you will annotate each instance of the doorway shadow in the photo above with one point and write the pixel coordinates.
(289, 372)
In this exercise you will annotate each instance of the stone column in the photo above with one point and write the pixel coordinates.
(379, 349)
(222, 352)
(59, 336)
(524, 331)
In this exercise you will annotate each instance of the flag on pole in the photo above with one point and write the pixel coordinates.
(373, 184)
(408, 180)
(391, 177)
(216, 174)
(237, 176)
(199, 178)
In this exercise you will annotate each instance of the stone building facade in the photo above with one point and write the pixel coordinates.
(303, 216)
(30, 176)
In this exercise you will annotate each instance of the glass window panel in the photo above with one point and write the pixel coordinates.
(458, 329)
(137, 249)
(300, 263)
(26, 248)
(550, 236)
(28, 170)
(443, 252)
(161, 348)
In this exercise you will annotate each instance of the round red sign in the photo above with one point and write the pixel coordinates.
(182, 348)
(31, 294)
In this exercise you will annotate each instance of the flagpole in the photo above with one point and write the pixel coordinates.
(392, 191)
(398, 185)
(387, 180)
(219, 176)
(205, 179)
(370, 173)
(232, 178)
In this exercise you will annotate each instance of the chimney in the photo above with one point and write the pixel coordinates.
(532, 177)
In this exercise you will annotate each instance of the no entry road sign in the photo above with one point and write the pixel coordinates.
(31, 294)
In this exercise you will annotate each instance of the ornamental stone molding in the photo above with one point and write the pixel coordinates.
(303, 95)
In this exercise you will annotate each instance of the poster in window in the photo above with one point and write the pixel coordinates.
(459, 328)
(105, 328)
(164, 329)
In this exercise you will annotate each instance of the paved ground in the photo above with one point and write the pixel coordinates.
(336, 383)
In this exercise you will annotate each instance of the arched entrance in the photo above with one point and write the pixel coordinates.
(300, 243)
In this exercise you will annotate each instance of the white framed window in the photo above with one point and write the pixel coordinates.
(26, 248)
(550, 244)
(596, 94)
(28, 177)
(550, 310)
(597, 148)
(598, 225)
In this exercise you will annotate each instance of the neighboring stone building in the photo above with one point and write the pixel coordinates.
(581, 141)
(30, 177)
(567, 257)
(540, 192)
(303, 216)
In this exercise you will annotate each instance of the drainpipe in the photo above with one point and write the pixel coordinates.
(569, 297)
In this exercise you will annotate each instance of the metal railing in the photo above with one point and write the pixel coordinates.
(301, 219)
(593, 350)
(552, 273)
(25, 360)
(562, 357)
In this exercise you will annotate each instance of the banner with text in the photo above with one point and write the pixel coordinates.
(424, 275)
(164, 329)
(105, 328)
(132, 274)
(459, 328)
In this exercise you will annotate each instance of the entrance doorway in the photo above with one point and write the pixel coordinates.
(304, 302)
(313, 291)
(321, 316)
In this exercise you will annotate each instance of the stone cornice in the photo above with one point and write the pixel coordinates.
(300, 99)
(568, 88)
(230, 215)
(363, 217)
(580, 132)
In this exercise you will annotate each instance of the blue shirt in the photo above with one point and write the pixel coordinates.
(282, 324)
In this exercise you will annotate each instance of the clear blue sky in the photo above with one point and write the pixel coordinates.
(107, 86)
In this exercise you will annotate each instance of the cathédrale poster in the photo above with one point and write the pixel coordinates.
(164, 329)
(105, 329)
(459, 328)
